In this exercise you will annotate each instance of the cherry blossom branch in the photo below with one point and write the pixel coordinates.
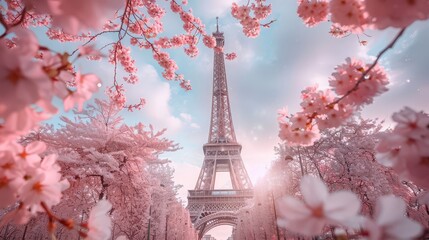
(93, 37)
(364, 74)
(123, 19)
(201, 31)
(7, 27)
(268, 24)
(68, 223)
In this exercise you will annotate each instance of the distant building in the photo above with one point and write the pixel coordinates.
(208, 237)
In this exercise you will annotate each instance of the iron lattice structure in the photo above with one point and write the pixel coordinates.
(210, 207)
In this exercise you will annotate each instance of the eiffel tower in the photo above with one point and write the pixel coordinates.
(210, 207)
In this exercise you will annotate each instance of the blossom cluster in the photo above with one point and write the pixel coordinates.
(139, 21)
(121, 54)
(320, 208)
(72, 17)
(251, 16)
(33, 83)
(350, 89)
(29, 179)
(32, 77)
(354, 16)
(150, 26)
(230, 56)
(406, 147)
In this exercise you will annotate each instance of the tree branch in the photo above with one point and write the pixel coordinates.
(364, 74)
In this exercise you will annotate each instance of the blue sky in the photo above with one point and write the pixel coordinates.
(268, 74)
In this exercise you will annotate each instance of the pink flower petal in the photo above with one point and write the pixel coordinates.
(35, 147)
(342, 205)
(389, 209)
(404, 229)
(292, 208)
(99, 222)
(314, 191)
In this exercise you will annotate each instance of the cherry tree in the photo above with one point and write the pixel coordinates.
(104, 158)
(345, 159)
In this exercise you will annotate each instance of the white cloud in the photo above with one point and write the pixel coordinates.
(216, 8)
(157, 93)
(187, 117)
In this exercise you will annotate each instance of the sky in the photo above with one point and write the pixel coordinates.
(268, 74)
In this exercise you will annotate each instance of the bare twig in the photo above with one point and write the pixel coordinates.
(92, 38)
(267, 25)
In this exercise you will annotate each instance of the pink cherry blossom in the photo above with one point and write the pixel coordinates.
(191, 51)
(313, 12)
(26, 42)
(59, 70)
(72, 99)
(40, 189)
(251, 24)
(90, 52)
(347, 75)
(121, 54)
(116, 95)
(86, 85)
(30, 153)
(7, 191)
(230, 56)
(390, 221)
(395, 13)
(338, 31)
(406, 148)
(74, 16)
(410, 122)
(99, 222)
(18, 216)
(349, 14)
(20, 122)
(186, 84)
(24, 80)
(282, 115)
(319, 208)
(209, 41)
(260, 10)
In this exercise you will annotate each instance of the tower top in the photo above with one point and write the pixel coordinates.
(220, 40)
(221, 127)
